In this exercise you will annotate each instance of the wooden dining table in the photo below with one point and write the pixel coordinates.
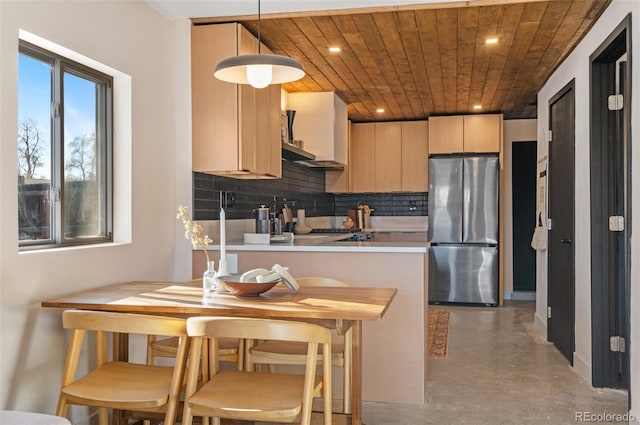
(340, 308)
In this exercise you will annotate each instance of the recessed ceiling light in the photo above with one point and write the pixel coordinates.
(380, 110)
(335, 49)
(477, 107)
(493, 40)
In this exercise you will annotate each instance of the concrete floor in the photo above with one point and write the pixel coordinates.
(499, 370)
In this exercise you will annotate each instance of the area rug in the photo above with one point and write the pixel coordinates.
(438, 333)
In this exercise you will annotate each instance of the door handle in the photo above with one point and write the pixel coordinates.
(565, 240)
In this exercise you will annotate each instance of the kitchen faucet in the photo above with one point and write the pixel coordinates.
(278, 224)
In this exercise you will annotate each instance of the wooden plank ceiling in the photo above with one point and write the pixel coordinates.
(432, 61)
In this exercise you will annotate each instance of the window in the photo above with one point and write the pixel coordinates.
(64, 151)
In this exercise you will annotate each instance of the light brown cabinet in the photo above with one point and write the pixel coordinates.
(482, 133)
(387, 148)
(415, 156)
(389, 157)
(446, 134)
(235, 128)
(465, 133)
(337, 181)
(361, 158)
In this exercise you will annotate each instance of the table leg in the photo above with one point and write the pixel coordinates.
(356, 374)
(120, 353)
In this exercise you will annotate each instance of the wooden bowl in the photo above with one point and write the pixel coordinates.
(245, 289)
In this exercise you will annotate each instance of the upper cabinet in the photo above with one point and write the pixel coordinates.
(446, 134)
(482, 133)
(389, 157)
(337, 181)
(415, 156)
(361, 166)
(387, 148)
(235, 128)
(465, 133)
(321, 122)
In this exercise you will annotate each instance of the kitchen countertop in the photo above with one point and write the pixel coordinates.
(329, 243)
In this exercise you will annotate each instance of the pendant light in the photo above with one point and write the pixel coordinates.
(259, 70)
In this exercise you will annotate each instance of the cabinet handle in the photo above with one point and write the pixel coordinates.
(565, 240)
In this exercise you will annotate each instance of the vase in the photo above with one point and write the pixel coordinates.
(209, 283)
(291, 114)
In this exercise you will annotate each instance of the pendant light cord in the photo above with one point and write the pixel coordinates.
(259, 27)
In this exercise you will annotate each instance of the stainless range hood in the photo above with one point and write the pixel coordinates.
(295, 154)
(326, 164)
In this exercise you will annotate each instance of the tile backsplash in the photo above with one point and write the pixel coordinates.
(300, 184)
(384, 204)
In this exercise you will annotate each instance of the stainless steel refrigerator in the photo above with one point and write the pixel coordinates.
(463, 229)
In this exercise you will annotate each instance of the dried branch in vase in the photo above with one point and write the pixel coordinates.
(193, 230)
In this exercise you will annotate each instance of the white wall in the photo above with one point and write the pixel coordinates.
(134, 39)
(577, 66)
(514, 131)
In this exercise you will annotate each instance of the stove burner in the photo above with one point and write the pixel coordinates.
(356, 234)
(343, 230)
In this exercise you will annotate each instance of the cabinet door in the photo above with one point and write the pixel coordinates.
(214, 103)
(361, 168)
(263, 137)
(275, 142)
(248, 116)
(338, 181)
(446, 134)
(236, 128)
(415, 156)
(388, 156)
(264, 150)
(482, 133)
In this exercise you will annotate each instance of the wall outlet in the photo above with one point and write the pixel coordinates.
(232, 263)
(227, 199)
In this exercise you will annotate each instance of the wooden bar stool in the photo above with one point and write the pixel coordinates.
(14, 417)
(293, 353)
(230, 350)
(122, 385)
(256, 396)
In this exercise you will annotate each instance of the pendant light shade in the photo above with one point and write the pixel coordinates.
(259, 70)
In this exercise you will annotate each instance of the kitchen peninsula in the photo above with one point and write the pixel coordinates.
(394, 356)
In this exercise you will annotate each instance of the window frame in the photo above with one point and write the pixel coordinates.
(104, 147)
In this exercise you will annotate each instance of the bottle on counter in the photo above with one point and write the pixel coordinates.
(209, 283)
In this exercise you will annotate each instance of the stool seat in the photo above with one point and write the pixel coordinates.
(14, 417)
